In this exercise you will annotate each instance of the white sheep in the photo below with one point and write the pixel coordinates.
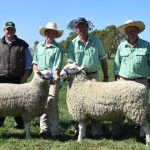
(112, 101)
(27, 100)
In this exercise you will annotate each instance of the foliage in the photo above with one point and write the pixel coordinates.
(111, 39)
(65, 43)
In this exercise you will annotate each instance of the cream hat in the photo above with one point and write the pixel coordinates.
(52, 26)
(139, 24)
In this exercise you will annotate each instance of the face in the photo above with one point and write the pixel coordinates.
(50, 34)
(9, 33)
(132, 33)
(82, 29)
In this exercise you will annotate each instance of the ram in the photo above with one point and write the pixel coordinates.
(112, 101)
(27, 100)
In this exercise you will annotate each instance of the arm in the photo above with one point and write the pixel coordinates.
(103, 60)
(35, 68)
(35, 62)
(117, 64)
(57, 65)
(26, 75)
(28, 66)
(104, 66)
(70, 52)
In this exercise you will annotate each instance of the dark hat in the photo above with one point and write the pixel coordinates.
(81, 20)
(9, 25)
(74, 23)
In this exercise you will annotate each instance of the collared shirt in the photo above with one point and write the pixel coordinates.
(87, 55)
(133, 62)
(48, 57)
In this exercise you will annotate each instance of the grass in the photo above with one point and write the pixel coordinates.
(13, 139)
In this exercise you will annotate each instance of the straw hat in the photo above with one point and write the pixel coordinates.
(52, 26)
(139, 24)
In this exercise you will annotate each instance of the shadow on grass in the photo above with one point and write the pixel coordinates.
(127, 131)
(67, 132)
(16, 135)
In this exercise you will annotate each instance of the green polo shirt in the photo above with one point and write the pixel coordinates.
(48, 57)
(133, 62)
(88, 55)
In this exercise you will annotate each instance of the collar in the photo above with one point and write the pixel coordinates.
(79, 40)
(127, 44)
(5, 42)
(50, 45)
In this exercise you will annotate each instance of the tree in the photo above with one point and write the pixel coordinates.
(111, 38)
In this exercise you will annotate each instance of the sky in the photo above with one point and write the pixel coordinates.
(30, 15)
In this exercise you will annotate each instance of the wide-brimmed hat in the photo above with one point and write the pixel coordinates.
(81, 20)
(9, 24)
(139, 24)
(52, 26)
(74, 23)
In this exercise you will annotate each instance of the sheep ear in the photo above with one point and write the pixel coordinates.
(39, 73)
(69, 61)
(81, 68)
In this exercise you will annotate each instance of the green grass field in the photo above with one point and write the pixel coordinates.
(13, 139)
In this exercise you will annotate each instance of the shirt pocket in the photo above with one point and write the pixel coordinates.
(79, 54)
(141, 56)
(124, 56)
(93, 53)
(40, 53)
(41, 58)
(50, 58)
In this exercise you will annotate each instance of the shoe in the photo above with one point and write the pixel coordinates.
(19, 126)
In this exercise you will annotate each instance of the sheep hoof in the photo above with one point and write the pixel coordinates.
(79, 139)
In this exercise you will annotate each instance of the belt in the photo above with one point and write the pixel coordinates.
(89, 73)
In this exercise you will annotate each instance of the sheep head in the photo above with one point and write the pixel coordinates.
(48, 75)
(69, 70)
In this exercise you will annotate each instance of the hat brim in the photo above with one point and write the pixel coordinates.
(140, 25)
(10, 27)
(81, 22)
(59, 32)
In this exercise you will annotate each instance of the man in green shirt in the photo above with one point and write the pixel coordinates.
(87, 50)
(132, 60)
(49, 56)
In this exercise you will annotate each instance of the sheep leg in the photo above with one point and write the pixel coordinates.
(27, 129)
(142, 132)
(82, 130)
(147, 133)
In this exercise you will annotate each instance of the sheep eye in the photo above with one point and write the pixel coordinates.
(72, 68)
